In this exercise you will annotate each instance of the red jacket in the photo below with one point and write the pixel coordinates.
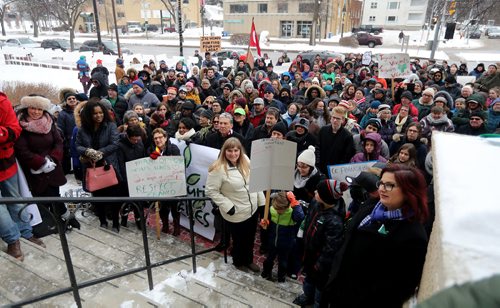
(9, 132)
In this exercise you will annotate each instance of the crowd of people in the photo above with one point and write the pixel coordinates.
(336, 111)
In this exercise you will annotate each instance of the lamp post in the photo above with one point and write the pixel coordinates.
(343, 21)
(97, 27)
(116, 30)
(181, 38)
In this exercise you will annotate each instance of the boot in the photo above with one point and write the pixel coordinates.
(177, 226)
(164, 222)
(14, 250)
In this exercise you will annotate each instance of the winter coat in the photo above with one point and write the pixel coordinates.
(358, 146)
(366, 117)
(423, 109)
(128, 152)
(429, 124)
(360, 274)
(101, 89)
(387, 130)
(335, 148)
(289, 119)
(123, 89)
(257, 118)
(413, 110)
(305, 192)
(231, 189)
(323, 236)
(157, 89)
(9, 132)
(487, 82)
(362, 156)
(216, 140)
(303, 141)
(493, 118)
(31, 149)
(468, 130)
(146, 99)
(421, 149)
(454, 90)
(66, 123)
(246, 130)
(283, 227)
(105, 139)
(120, 106)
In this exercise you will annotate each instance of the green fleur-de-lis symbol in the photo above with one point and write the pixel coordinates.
(187, 156)
(402, 67)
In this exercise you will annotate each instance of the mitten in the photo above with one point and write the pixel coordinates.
(155, 154)
(43, 168)
(231, 211)
(93, 155)
(49, 165)
(396, 137)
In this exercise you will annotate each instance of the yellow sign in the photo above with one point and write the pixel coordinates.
(210, 43)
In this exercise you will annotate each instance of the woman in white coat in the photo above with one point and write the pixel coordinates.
(228, 186)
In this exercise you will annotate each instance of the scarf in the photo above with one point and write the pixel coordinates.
(399, 123)
(300, 181)
(186, 135)
(381, 214)
(40, 126)
(362, 100)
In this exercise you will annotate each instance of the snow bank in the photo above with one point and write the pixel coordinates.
(464, 244)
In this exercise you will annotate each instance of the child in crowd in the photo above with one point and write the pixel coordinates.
(323, 233)
(372, 144)
(459, 105)
(286, 214)
(406, 155)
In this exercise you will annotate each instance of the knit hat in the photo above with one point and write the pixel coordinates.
(240, 111)
(81, 97)
(384, 107)
(69, 94)
(229, 86)
(478, 98)
(280, 127)
(113, 87)
(328, 88)
(138, 83)
(441, 99)
(119, 61)
(330, 190)
(375, 104)
(303, 122)
(374, 122)
(99, 61)
(183, 89)
(496, 101)
(315, 80)
(480, 114)
(270, 88)
(129, 114)
(189, 84)
(429, 91)
(345, 104)
(38, 102)
(158, 117)
(307, 156)
(106, 103)
(248, 85)
(241, 101)
(207, 113)
(54, 108)
(258, 101)
(162, 62)
(407, 94)
(188, 105)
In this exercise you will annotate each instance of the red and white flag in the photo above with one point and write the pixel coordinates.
(254, 39)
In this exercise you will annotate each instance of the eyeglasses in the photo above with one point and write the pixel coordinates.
(386, 186)
(268, 92)
(475, 119)
(413, 131)
(302, 166)
(71, 99)
(215, 122)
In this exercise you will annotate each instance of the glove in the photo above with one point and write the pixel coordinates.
(49, 165)
(264, 223)
(93, 155)
(291, 199)
(231, 211)
(155, 154)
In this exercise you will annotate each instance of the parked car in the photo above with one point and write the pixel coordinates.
(494, 34)
(311, 54)
(491, 29)
(152, 28)
(474, 34)
(367, 39)
(229, 54)
(56, 44)
(169, 29)
(134, 28)
(22, 42)
(108, 47)
(368, 28)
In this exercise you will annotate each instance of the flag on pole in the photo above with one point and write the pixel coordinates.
(254, 39)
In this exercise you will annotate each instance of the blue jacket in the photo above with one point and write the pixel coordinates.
(66, 123)
(283, 227)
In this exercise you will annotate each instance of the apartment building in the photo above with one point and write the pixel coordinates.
(392, 14)
(293, 18)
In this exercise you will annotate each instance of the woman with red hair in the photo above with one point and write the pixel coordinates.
(381, 260)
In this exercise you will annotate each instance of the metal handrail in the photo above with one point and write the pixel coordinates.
(75, 286)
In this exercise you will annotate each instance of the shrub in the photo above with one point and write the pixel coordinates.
(349, 41)
(15, 90)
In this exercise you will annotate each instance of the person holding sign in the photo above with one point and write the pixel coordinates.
(163, 147)
(228, 186)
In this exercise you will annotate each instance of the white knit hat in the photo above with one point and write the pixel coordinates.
(39, 102)
(307, 156)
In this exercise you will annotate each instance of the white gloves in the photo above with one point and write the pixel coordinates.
(47, 167)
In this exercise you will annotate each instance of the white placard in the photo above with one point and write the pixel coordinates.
(161, 177)
(393, 65)
(339, 172)
(272, 165)
(367, 58)
(463, 80)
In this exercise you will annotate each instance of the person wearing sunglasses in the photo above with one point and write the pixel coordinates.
(476, 125)
(385, 243)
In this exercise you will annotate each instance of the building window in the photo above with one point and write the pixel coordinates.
(391, 18)
(262, 8)
(373, 5)
(286, 28)
(119, 2)
(306, 7)
(371, 18)
(282, 7)
(393, 5)
(238, 8)
(303, 28)
(120, 14)
(418, 2)
(185, 1)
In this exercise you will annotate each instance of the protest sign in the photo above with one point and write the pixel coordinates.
(463, 80)
(210, 43)
(367, 58)
(197, 160)
(273, 163)
(393, 65)
(161, 177)
(339, 172)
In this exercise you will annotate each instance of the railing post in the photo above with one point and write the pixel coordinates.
(191, 232)
(61, 228)
(146, 245)
(223, 239)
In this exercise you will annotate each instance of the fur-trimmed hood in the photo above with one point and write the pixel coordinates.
(78, 110)
(62, 94)
(322, 93)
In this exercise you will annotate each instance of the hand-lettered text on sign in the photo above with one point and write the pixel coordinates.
(210, 43)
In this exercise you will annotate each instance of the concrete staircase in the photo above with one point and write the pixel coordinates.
(98, 252)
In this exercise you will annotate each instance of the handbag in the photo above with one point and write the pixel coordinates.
(100, 177)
